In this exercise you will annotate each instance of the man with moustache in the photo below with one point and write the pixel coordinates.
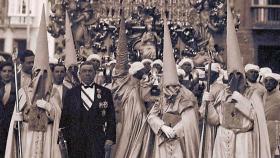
(88, 117)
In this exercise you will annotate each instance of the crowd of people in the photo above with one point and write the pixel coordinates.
(143, 109)
(142, 91)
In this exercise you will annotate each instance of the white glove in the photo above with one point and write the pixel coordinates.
(18, 116)
(44, 105)
(224, 73)
(202, 111)
(168, 131)
(243, 104)
(238, 97)
(207, 97)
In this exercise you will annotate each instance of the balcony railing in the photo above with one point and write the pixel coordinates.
(266, 17)
(18, 20)
(15, 21)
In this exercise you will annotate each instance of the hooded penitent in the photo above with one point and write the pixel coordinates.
(176, 108)
(39, 136)
(41, 79)
(247, 143)
(134, 134)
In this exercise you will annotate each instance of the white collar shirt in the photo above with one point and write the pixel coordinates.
(88, 97)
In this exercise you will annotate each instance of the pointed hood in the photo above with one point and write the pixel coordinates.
(41, 60)
(169, 66)
(234, 60)
(41, 74)
(70, 51)
(122, 51)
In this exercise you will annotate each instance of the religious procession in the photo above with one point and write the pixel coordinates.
(142, 83)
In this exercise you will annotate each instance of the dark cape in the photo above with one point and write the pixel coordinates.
(6, 112)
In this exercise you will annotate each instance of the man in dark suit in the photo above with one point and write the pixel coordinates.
(7, 102)
(88, 117)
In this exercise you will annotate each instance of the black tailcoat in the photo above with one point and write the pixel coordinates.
(64, 91)
(84, 130)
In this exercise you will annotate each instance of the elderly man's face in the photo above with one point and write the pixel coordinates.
(187, 67)
(252, 76)
(87, 74)
(270, 83)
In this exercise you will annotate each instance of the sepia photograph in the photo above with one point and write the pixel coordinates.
(139, 78)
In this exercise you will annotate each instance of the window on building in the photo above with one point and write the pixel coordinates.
(273, 13)
(2, 44)
(259, 2)
(264, 12)
(273, 2)
(20, 10)
(20, 44)
(23, 7)
(19, 7)
(269, 56)
(266, 2)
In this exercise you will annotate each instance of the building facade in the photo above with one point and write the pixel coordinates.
(259, 29)
(19, 22)
(259, 33)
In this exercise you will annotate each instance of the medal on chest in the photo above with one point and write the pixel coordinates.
(103, 106)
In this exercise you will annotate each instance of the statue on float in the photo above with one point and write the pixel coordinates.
(149, 40)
